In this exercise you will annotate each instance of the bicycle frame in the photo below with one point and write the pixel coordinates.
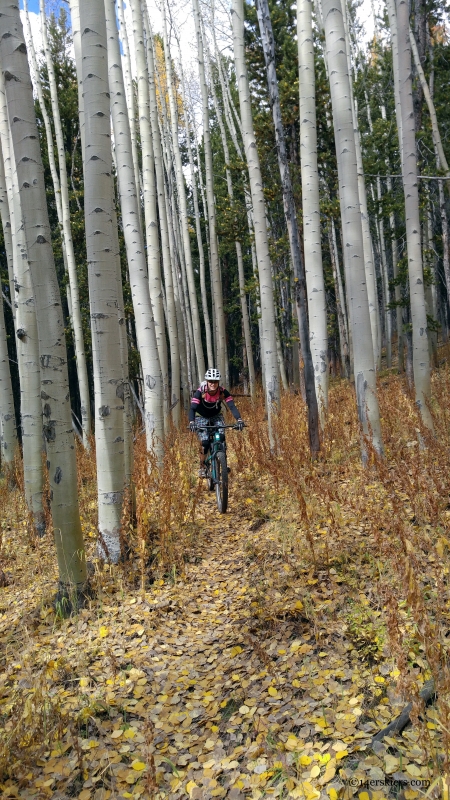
(217, 443)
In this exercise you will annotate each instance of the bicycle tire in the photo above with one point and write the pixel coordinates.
(222, 482)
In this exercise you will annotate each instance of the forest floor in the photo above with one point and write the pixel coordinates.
(260, 651)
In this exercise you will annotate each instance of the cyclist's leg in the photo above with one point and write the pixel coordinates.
(203, 437)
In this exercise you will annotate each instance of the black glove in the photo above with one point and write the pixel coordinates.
(240, 424)
(192, 426)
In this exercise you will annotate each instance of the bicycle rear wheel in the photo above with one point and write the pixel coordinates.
(221, 482)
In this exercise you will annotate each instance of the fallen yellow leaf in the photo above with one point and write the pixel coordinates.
(272, 691)
(190, 787)
(138, 765)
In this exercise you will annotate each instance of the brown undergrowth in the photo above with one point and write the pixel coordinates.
(278, 639)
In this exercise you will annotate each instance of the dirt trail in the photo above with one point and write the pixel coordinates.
(246, 698)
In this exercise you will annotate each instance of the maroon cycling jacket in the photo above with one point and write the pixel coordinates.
(210, 405)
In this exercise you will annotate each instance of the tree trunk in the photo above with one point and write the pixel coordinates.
(76, 37)
(238, 246)
(214, 254)
(268, 340)
(198, 230)
(108, 380)
(134, 243)
(421, 359)
(174, 395)
(316, 371)
(181, 190)
(363, 354)
(58, 434)
(431, 109)
(149, 188)
(310, 199)
(131, 104)
(342, 327)
(7, 229)
(8, 435)
(369, 264)
(27, 343)
(77, 322)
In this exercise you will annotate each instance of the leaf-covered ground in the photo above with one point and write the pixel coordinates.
(261, 667)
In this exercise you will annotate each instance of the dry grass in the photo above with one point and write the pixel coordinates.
(330, 545)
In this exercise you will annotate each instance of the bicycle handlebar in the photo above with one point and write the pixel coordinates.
(236, 426)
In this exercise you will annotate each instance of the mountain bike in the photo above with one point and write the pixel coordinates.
(216, 466)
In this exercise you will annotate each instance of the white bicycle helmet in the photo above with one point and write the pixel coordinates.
(212, 375)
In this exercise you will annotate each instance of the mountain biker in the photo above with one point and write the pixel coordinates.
(207, 404)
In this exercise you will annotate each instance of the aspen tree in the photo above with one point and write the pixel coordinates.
(340, 303)
(216, 283)
(27, 343)
(108, 374)
(7, 231)
(369, 264)
(341, 100)
(314, 372)
(8, 435)
(239, 257)
(437, 141)
(310, 201)
(77, 323)
(149, 187)
(390, 5)
(58, 433)
(181, 190)
(76, 38)
(165, 247)
(204, 296)
(126, 385)
(128, 79)
(268, 340)
(421, 358)
(134, 242)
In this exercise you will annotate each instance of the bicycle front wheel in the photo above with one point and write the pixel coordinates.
(221, 482)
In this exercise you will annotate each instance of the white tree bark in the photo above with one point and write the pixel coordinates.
(27, 343)
(181, 191)
(341, 99)
(174, 403)
(6, 225)
(149, 187)
(421, 359)
(108, 374)
(52, 351)
(202, 270)
(134, 243)
(8, 432)
(76, 37)
(369, 263)
(340, 305)
(131, 104)
(77, 322)
(238, 246)
(8, 435)
(437, 141)
(268, 341)
(311, 205)
(216, 284)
